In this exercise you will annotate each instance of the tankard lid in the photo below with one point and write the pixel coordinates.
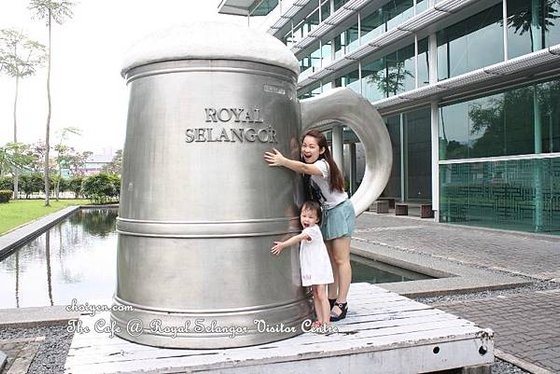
(212, 40)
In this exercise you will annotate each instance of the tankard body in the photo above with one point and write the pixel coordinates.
(200, 208)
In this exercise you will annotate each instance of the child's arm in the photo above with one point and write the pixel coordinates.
(275, 158)
(279, 246)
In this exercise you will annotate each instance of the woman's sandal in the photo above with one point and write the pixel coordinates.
(331, 302)
(343, 309)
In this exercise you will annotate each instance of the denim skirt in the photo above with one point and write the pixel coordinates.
(338, 221)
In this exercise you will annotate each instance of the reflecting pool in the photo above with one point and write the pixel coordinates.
(76, 259)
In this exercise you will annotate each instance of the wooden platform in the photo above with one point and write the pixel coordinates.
(383, 333)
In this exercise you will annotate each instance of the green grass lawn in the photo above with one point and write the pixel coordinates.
(19, 212)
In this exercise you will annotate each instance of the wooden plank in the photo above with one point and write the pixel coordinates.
(383, 327)
(299, 356)
(379, 328)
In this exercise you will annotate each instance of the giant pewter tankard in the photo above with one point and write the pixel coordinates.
(199, 207)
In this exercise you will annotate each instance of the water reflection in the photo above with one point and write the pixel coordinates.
(74, 259)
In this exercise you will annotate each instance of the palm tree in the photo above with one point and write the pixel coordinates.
(19, 58)
(57, 11)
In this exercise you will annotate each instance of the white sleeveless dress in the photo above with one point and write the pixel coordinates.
(314, 259)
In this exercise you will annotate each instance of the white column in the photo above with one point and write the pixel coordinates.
(416, 61)
(435, 159)
(505, 29)
(432, 56)
(338, 147)
(404, 158)
(353, 171)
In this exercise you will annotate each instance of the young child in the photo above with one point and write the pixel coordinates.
(314, 260)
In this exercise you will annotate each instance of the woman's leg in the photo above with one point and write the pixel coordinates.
(341, 261)
(332, 287)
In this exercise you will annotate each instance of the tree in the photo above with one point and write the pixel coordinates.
(57, 11)
(14, 156)
(63, 155)
(77, 161)
(19, 58)
(38, 151)
(115, 166)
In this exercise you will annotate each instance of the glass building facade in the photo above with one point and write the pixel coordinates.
(485, 151)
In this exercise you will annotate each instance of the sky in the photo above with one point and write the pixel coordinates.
(87, 89)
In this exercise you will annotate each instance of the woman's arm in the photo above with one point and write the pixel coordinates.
(279, 246)
(275, 158)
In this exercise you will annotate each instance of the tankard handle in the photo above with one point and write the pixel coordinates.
(347, 107)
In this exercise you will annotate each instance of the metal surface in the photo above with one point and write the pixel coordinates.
(343, 105)
(200, 208)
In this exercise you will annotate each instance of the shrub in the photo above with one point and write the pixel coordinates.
(75, 185)
(6, 183)
(31, 183)
(101, 188)
(5, 196)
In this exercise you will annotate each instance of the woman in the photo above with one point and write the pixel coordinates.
(338, 220)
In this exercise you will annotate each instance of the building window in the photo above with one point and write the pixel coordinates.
(549, 113)
(418, 155)
(338, 4)
(310, 63)
(303, 28)
(373, 87)
(350, 80)
(385, 18)
(264, 7)
(346, 41)
(410, 135)
(471, 44)
(315, 90)
(395, 73)
(325, 10)
(423, 63)
(532, 25)
(524, 120)
(393, 187)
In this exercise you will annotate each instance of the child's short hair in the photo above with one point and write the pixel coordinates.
(314, 206)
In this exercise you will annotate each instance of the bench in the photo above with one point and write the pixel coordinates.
(390, 200)
(401, 209)
(426, 211)
(379, 207)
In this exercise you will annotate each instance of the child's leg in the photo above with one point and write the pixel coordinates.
(321, 302)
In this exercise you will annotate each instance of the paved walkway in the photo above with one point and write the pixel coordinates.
(526, 323)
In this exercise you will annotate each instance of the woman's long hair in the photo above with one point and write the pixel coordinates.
(336, 179)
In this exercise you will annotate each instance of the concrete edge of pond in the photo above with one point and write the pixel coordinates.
(20, 235)
(451, 276)
(36, 316)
